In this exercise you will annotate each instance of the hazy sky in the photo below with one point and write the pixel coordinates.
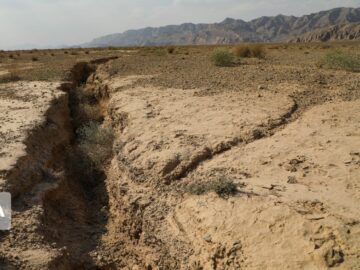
(61, 22)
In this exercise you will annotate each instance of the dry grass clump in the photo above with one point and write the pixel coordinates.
(222, 57)
(223, 186)
(95, 141)
(34, 59)
(342, 60)
(249, 50)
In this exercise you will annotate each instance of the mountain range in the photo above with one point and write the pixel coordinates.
(338, 23)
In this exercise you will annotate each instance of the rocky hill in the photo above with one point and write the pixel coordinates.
(331, 33)
(263, 29)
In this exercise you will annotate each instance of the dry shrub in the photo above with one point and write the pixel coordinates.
(90, 112)
(96, 142)
(249, 50)
(34, 59)
(222, 57)
(222, 186)
(242, 51)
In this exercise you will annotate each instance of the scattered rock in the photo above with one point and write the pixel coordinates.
(292, 180)
(334, 257)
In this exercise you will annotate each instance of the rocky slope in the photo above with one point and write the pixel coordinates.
(264, 29)
(332, 33)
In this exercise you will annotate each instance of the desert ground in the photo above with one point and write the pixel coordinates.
(155, 158)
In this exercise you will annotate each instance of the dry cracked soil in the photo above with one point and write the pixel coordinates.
(283, 130)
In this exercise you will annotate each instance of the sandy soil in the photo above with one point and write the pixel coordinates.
(22, 108)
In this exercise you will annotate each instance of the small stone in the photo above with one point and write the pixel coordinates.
(237, 242)
(261, 87)
(207, 238)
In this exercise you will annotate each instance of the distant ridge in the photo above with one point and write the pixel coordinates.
(349, 31)
(263, 29)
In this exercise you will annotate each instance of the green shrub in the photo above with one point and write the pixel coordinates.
(342, 60)
(223, 186)
(222, 57)
(96, 142)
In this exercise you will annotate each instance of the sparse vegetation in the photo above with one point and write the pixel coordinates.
(96, 142)
(222, 57)
(34, 59)
(10, 77)
(222, 186)
(342, 60)
(249, 50)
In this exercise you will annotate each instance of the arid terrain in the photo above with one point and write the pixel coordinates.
(155, 158)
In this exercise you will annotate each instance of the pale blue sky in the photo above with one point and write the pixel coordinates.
(57, 22)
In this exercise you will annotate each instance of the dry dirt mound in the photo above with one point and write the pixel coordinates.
(167, 133)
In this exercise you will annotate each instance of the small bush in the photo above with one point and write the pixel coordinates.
(258, 51)
(66, 52)
(34, 59)
(242, 51)
(250, 50)
(90, 113)
(342, 60)
(222, 57)
(171, 50)
(96, 142)
(223, 187)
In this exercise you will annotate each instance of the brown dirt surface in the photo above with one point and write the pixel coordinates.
(282, 129)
